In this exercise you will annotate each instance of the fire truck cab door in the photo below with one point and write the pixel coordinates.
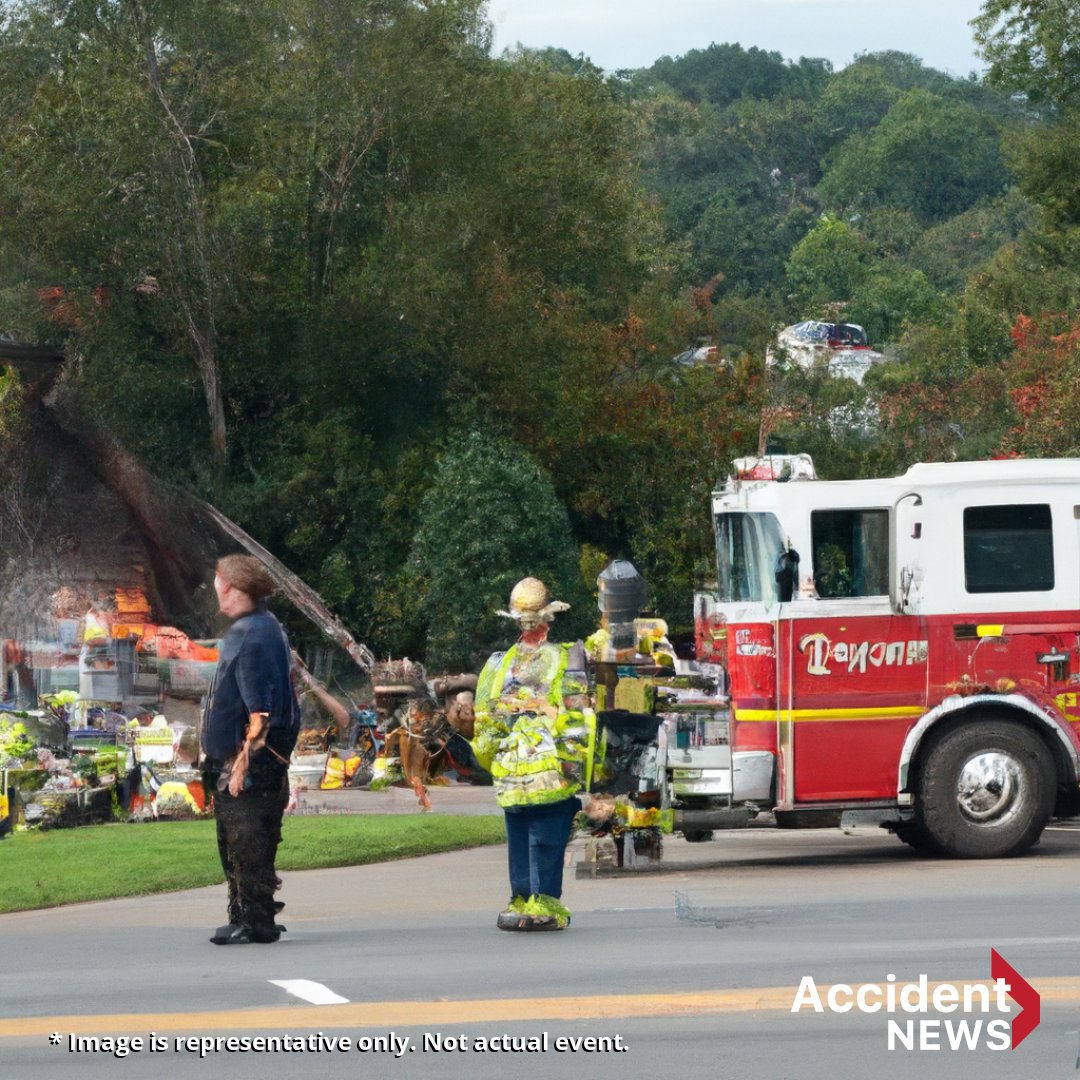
(909, 572)
(852, 669)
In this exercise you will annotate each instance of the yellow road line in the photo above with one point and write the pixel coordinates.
(432, 1014)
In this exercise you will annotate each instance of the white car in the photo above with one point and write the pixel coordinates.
(699, 355)
(842, 347)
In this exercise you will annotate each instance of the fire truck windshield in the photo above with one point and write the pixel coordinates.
(747, 548)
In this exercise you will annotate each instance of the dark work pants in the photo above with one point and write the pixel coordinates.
(536, 839)
(248, 834)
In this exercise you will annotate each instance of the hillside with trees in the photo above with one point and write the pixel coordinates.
(409, 310)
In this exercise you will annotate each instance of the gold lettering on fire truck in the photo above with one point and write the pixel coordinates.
(819, 650)
(817, 646)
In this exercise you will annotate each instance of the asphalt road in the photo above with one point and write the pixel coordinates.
(689, 969)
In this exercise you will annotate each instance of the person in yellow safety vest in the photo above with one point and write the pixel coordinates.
(536, 734)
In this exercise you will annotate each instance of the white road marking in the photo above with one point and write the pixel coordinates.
(312, 992)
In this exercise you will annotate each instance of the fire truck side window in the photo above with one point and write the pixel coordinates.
(851, 552)
(1008, 549)
(747, 546)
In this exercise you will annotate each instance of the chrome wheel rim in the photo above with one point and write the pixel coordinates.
(989, 787)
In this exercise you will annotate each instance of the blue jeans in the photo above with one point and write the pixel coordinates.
(536, 839)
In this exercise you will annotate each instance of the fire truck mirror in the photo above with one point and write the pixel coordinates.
(787, 573)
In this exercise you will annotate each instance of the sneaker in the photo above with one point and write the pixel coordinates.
(508, 920)
(511, 918)
(243, 935)
(548, 907)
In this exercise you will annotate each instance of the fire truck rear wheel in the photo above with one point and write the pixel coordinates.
(987, 790)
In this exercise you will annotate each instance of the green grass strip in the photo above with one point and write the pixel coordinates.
(102, 862)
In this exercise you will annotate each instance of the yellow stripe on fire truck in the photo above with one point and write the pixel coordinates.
(891, 712)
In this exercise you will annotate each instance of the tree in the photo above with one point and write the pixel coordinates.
(232, 160)
(931, 155)
(1031, 47)
(856, 99)
(828, 264)
(134, 92)
(1043, 377)
(722, 74)
(903, 70)
(933, 402)
(490, 518)
(950, 252)
(891, 297)
(831, 419)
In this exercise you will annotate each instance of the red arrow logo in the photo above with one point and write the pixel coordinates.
(1023, 993)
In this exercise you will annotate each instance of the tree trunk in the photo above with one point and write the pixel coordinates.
(198, 310)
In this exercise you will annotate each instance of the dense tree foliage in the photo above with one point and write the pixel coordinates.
(930, 155)
(1031, 48)
(489, 506)
(410, 311)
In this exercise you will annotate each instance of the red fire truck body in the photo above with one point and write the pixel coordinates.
(902, 650)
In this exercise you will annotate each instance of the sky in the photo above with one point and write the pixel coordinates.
(633, 33)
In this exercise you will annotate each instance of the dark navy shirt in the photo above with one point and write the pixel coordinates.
(252, 676)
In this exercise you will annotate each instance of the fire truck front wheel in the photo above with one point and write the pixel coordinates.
(987, 790)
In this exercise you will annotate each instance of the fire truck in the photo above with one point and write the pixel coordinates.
(902, 652)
